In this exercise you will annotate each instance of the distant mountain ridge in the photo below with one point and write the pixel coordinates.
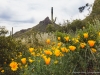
(41, 27)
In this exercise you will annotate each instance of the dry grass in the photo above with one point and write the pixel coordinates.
(37, 39)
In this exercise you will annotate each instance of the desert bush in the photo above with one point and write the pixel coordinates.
(9, 49)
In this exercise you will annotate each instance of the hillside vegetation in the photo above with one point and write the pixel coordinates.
(70, 49)
(95, 14)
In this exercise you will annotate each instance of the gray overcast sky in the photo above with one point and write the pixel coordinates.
(23, 14)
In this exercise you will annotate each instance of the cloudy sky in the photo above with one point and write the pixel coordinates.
(23, 14)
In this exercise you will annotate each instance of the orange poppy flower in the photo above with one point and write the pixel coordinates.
(72, 48)
(57, 52)
(31, 50)
(59, 38)
(82, 45)
(85, 35)
(93, 50)
(48, 41)
(47, 60)
(23, 60)
(91, 43)
(67, 38)
(14, 66)
(48, 52)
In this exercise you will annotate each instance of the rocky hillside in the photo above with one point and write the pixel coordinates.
(43, 26)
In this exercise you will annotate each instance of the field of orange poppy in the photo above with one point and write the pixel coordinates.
(66, 55)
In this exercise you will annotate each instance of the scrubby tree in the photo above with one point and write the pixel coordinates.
(3, 31)
(50, 28)
(9, 50)
(76, 24)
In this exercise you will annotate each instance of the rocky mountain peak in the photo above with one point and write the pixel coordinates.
(45, 22)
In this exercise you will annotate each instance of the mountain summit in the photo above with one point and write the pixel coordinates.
(42, 25)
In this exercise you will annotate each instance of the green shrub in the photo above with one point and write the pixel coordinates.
(9, 49)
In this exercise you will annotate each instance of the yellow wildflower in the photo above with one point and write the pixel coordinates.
(99, 33)
(30, 60)
(82, 45)
(53, 48)
(53, 43)
(14, 66)
(20, 53)
(63, 49)
(78, 37)
(26, 65)
(85, 35)
(83, 27)
(93, 50)
(38, 54)
(47, 60)
(44, 56)
(72, 48)
(33, 53)
(67, 50)
(61, 54)
(67, 38)
(91, 43)
(59, 44)
(55, 62)
(23, 60)
(57, 52)
(48, 52)
(31, 50)
(59, 38)
(75, 40)
(2, 71)
(48, 41)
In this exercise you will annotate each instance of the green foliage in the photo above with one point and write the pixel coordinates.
(95, 12)
(9, 49)
(83, 58)
(3, 31)
(72, 27)
(61, 35)
(50, 28)
(96, 9)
